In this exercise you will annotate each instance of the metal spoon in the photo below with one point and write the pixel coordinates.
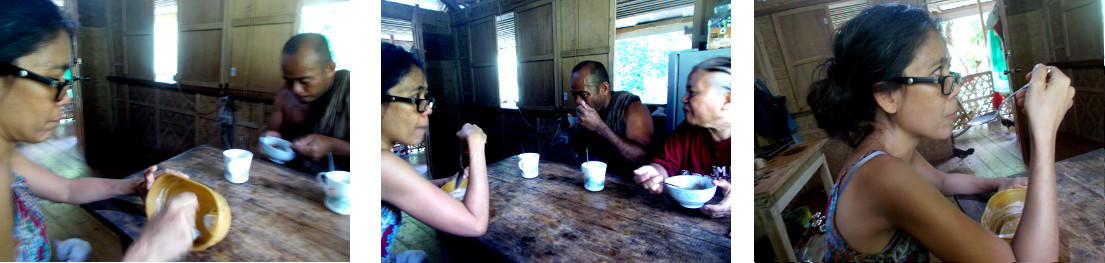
(993, 115)
(331, 156)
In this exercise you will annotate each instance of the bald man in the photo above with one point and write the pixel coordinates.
(312, 110)
(614, 126)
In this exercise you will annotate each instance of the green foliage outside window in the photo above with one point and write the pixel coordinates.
(641, 64)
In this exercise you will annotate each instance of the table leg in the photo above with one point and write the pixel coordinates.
(826, 177)
(777, 233)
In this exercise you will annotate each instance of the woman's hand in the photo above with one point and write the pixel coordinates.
(150, 176)
(722, 209)
(472, 132)
(649, 178)
(1047, 99)
(1012, 182)
(168, 236)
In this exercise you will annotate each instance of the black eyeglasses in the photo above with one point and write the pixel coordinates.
(61, 86)
(947, 83)
(421, 104)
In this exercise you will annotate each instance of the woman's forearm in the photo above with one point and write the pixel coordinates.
(476, 197)
(965, 184)
(86, 190)
(1037, 237)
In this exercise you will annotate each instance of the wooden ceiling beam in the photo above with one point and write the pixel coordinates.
(452, 5)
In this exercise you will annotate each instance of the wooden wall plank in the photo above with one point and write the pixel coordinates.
(569, 23)
(485, 50)
(139, 56)
(242, 8)
(274, 7)
(139, 16)
(536, 87)
(196, 12)
(595, 23)
(265, 51)
(486, 86)
(239, 57)
(199, 55)
(1084, 31)
(535, 36)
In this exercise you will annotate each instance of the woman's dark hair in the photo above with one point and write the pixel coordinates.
(27, 25)
(396, 65)
(873, 47)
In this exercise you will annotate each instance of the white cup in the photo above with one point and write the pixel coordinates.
(528, 164)
(594, 175)
(237, 165)
(336, 186)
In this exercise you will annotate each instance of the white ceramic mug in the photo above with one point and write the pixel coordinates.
(336, 186)
(528, 164)
(237, 165)
(594, 175)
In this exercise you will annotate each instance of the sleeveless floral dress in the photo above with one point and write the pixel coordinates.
(29, 233)
(390, 218)
(902, 246)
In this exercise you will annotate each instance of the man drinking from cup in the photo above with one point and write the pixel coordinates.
(616, 126)
(701, 145)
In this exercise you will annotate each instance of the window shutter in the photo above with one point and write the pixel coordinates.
(628, 8)
(504, 27)
(398, 27)
(842, 12)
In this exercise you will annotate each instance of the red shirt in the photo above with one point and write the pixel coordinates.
(690, 148)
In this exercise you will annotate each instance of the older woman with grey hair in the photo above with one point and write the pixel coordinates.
(701, 144)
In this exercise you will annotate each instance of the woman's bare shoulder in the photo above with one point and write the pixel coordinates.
(886, 174)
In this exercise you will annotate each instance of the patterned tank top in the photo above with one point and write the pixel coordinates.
(902, 246)
(390, 219)
(29, 234)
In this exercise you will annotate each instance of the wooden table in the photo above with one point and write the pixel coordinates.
(1080, 183)
(278, 215)
(552, 218)
(780, 181)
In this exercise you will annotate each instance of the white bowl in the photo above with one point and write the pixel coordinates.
(693, 192)
(282, 152)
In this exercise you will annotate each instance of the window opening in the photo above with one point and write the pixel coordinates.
(508, 61)
(165, 40)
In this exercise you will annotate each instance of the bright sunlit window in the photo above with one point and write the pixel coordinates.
(338, 22)
(508, 61)
(967, 45)
(165, 41)
(641, 64)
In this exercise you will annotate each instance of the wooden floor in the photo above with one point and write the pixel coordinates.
(997, 153)
(61, 155)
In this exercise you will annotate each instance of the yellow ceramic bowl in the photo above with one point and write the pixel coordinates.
(1003, 213)
(451, 188)
(451, 185)
(212, 216)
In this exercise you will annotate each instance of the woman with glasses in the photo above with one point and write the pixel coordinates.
(406, 109)
(887, 86)
(34, 60)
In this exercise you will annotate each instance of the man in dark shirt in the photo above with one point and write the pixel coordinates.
(312, 110)
(615, 127)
